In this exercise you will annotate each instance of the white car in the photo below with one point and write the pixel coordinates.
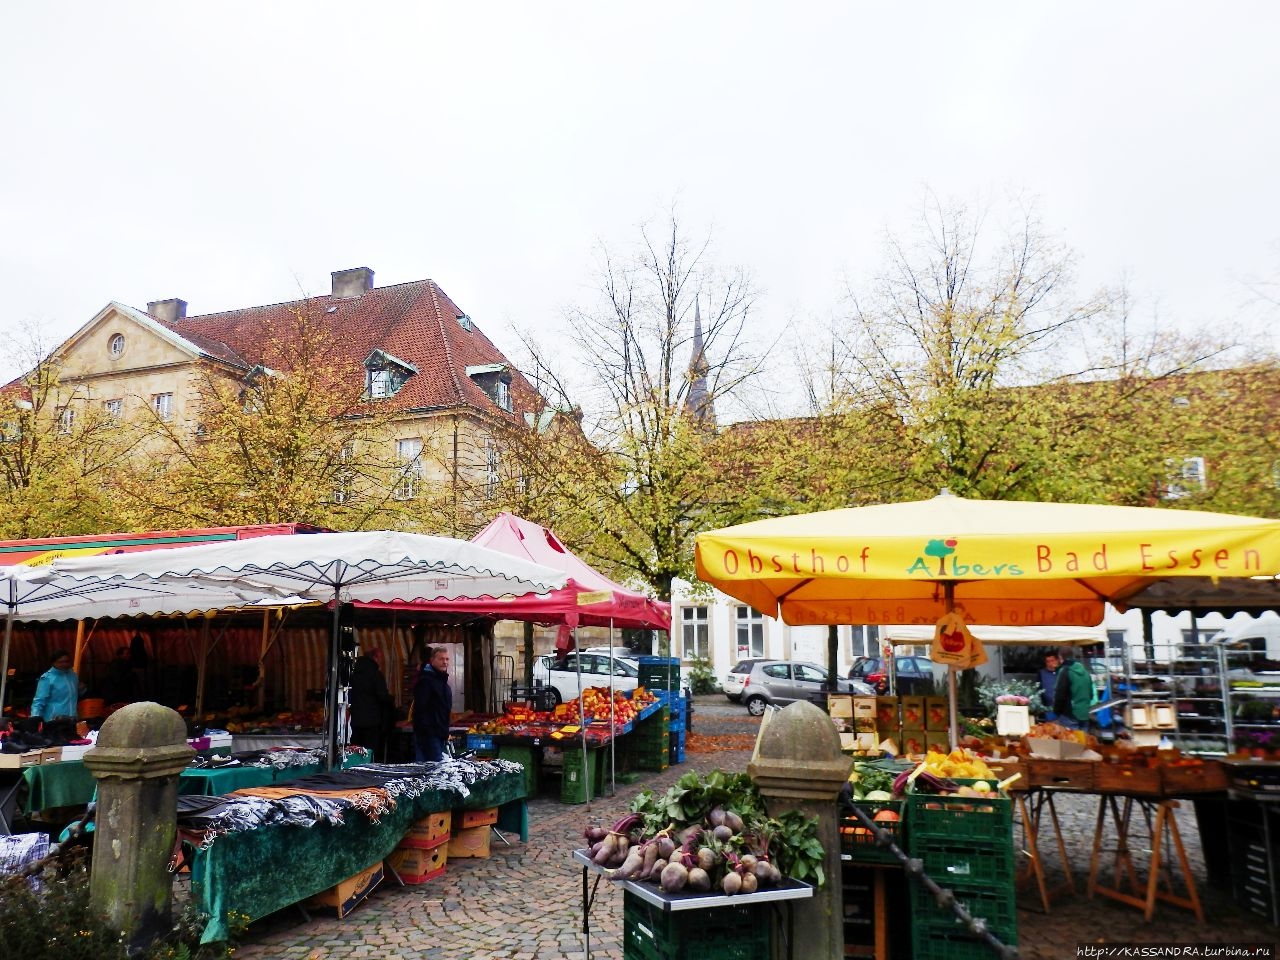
(562, 678)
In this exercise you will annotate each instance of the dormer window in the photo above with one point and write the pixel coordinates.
(495, 380)
(385, 375)
(465, 323)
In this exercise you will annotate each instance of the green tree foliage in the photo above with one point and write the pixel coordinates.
(57, 453)
(293, 440)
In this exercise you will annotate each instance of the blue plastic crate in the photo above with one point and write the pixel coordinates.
(677, 738)
(676, 756)
(478, 741)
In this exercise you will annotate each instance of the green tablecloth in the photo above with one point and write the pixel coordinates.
(215, 782)
(257, 872)
(65, 784)
(70, 784)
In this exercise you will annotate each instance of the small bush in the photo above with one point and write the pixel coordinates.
(702, 679)
(50, 917)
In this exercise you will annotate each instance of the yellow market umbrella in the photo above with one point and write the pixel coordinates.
(1005, 563)
(1009, 563)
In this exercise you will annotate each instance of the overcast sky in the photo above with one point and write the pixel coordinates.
(233, 154)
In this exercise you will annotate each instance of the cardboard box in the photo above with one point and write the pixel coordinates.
(346, 895)
(839, 705)
(13, 761)
(913, 713)
(1163, 718)
(865, 707)
(75, 751)
(1054, 749)
(51, 755)
(864, 724)
(1138, 717)
(477, 818)
(939, 740)
(418, 865)
(848, 741)
(936, 716)
(887, 717)
(469, 842)
(867, 743)
(1012, 720)
(431, 829)
(912, 742)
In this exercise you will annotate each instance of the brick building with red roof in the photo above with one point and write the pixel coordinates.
(444, 386)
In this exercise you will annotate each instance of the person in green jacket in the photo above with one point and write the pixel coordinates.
(1072, 692)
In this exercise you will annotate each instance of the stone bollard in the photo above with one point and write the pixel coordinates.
(141, 749)
(799, 766)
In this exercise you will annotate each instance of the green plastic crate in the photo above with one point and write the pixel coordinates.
(929, 944)
(577, 783)
(858, 842)
(997, 905)
(951, 818)
(725, 933)
(526, 757)
(967, 863)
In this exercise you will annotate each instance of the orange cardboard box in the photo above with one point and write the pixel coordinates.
(431, 829)
(887, 713)
(469, 842)
(478, 818)
(935, 713)
(913, 713)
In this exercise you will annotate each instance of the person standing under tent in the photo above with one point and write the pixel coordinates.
(1048, 678)
(370, 704)
(432, 705)
(57, 691)
(1073, 692)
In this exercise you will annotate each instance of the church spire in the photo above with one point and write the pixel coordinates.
(698, 403)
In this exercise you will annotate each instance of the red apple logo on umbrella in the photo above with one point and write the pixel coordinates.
(941, 549)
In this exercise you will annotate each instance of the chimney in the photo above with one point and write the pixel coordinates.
(349, 284)
(168, 311)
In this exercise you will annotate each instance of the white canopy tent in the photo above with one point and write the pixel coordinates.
(41, 593)
(335, 568)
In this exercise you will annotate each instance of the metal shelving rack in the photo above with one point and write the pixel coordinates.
(1183, 693)
(1264, 688)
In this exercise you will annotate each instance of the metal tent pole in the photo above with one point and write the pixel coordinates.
(613, 756)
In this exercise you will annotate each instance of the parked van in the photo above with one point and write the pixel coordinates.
(1253, 645)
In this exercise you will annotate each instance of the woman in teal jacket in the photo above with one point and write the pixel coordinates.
(58, 690)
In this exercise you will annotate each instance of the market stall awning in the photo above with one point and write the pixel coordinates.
(1010, 563)
(1003, 636)
(588, 598)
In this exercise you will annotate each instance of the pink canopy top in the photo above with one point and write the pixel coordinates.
(588, 598)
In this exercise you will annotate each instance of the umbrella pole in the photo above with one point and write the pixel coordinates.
(4, 656)
(582, 719)
(613, 769)
(954, 727)
(331, 693)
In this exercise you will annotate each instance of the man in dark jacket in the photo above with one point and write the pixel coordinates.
(370, 704)
(432, 704)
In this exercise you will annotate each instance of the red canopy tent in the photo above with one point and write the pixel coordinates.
(588, 598)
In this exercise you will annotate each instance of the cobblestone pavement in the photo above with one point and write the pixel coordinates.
(523, 902)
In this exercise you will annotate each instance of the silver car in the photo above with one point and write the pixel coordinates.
(779, 682)
(736, 677)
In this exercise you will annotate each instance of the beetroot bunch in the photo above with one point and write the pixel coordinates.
(720, 852)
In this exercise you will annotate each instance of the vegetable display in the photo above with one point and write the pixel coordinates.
(707, 833)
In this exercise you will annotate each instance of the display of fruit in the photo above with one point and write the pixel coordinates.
(958, 763)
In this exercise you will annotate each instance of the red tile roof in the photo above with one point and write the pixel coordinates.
(415, 322)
